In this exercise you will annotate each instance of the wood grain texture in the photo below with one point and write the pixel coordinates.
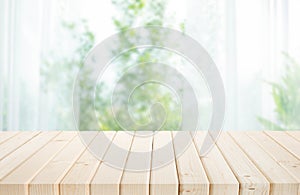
(21, 154)
(294, 134)
(281, 181)
(17, 182)
(17, 141)
(288, 142)
(77, 180)
(279, 154)
(48, 179)
(251, 180)
(164, 179)
(7, 135)
(139, 158)
(107, 179)
(192, 176)
(221, 178)
(57, 162)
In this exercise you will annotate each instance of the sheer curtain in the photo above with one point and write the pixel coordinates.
(21, 44)
(245, 39)
(28, 30)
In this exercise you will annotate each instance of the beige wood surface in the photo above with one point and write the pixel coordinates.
(164, 179)
(288, 142)
(22, 175)
(20, 155)
(58, 163)
(77, 180)
(48, 179)
(192, 176)
(15, 142)
(7, 135)
(137, 182)
(107, 179)
(281, 181)
(279, 154)
(294, 134)
(251, 180)
(221, 178)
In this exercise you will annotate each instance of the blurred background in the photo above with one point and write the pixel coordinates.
(255, 44)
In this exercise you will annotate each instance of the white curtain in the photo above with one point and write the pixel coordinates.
(245, 39)
(28, 29)
(21, 43)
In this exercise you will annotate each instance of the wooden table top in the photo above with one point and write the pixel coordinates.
(57, 162)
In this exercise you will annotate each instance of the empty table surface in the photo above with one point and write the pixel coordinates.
(57, 162)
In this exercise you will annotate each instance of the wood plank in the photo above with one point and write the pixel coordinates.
(279, 154)
(54, 163)
(164, 180)
(5, 135)
(77, 180)
(16, 183)
(107, 179)
(48, 179)
(294, 134)
(138, 182)
(221, 178)
(281, 181)
(192, 176)
(21, 154)
(17, 141)
(291, 144)
(251, 180)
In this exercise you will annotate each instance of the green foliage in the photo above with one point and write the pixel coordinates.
(59, 70)
(286, 96)
(130, 14)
